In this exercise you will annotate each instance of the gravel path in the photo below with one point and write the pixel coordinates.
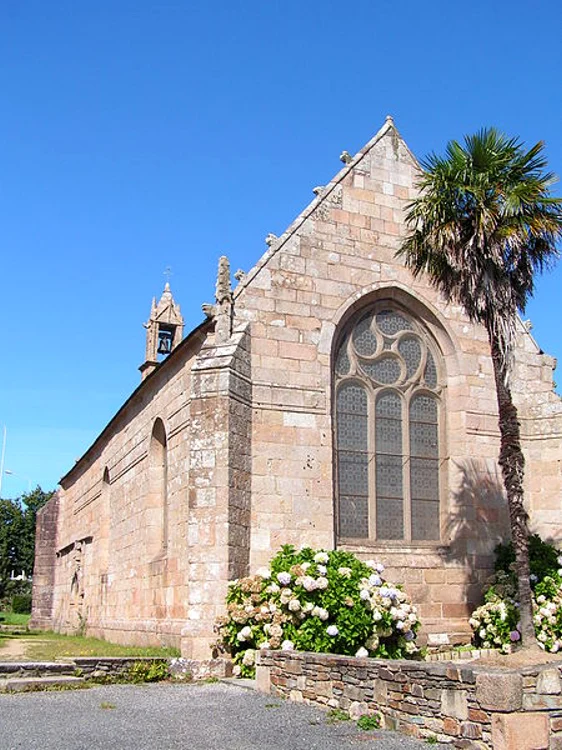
(174, 717)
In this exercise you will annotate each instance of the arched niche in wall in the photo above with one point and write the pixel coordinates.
(157, 504)
(104, 522)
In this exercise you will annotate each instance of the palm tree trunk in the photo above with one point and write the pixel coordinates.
(512, 463)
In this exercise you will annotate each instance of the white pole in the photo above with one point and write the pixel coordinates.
(2, 460)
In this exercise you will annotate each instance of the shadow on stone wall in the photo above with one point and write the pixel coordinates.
(478, 520)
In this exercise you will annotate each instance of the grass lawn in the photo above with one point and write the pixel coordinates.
(48, 646)
(10, 618)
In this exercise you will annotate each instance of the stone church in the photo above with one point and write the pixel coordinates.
(328, 399)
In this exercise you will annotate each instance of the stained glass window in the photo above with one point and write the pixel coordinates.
(353, 460)
(387, 429)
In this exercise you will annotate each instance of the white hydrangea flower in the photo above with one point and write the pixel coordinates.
(321, 583)
(345, 572)
(321, 557)
(244, 634)
(287, 646)
(305, 566)
(273, 588)
(321, 613)
(249, 658)
(265, 645)
(322, 569)
(294, 605)
(542, 636)
(264, 573)
(375, 580)
(332, 630)
(236, 669)
(284, 578)
(362, 653)
(364, 594)
(309, 583)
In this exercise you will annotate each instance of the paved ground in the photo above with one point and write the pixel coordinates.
(174, 717)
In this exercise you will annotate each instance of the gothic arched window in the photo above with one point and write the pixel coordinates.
(387, 428)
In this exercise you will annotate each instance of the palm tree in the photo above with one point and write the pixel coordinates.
(483, 224)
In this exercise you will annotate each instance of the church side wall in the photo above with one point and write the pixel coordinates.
(118, 573)
(540, 412)
(337, 258)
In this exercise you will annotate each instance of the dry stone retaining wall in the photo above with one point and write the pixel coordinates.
(466, 705)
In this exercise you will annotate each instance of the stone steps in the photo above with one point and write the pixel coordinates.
(23, 684)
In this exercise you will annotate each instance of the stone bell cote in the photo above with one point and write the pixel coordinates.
(164, 331)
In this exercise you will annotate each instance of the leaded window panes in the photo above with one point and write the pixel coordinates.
(384, 370)
(353, 459)
(388, 401)
(364, 339)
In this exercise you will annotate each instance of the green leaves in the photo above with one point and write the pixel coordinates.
(483, 224)
(17, 535)
(321, 601)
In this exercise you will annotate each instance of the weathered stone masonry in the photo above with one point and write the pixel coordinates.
(226, 450)
(468, 705)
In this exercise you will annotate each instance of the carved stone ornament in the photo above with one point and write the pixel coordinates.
(209, 310)
(223, 307)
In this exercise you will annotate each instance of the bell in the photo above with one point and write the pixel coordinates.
(164, 342)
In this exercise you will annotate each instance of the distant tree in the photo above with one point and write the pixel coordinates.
(10, 527)
(31, 503)
(484, 223)
(17, 536)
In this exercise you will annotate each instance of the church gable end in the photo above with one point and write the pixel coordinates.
(332, 400)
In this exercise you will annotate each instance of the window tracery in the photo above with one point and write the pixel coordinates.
(387, 427)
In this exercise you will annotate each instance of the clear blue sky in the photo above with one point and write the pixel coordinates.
(136, 135)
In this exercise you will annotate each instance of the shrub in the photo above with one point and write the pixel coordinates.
(21, 604)
(144, 671)
(496, 622)
(543, 559)
(318, 601)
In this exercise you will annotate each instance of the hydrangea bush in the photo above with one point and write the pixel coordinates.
(496, 622)
(311, 600)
